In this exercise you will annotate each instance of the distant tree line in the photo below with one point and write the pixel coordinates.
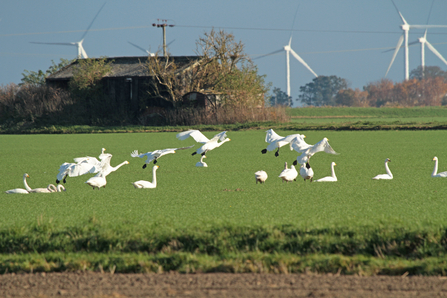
(424, 88)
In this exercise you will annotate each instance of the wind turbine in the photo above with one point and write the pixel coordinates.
(404, 37)
(147, 51)
(78, 44)
(288, 49)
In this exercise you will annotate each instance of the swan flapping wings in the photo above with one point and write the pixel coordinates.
(276, 141)
(307, 153)
(154, 155)
(200, 137)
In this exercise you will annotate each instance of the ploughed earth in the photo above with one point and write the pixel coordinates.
(103, 285)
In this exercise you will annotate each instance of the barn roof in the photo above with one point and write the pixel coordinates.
(122, 67)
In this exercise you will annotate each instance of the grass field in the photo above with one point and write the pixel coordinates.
(226, 192)
(217, 219)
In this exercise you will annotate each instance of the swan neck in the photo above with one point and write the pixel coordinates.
(26, 184)
(388, 170)
(154, 176)
(333, 172)
(435, 170)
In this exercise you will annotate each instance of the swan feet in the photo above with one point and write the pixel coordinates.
(264, 151)
(277, 153)
(144, 166)
(194, 153)
(295, 163)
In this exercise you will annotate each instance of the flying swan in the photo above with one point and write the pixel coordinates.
(81, 166)
(147, 184)
(331, 178)
(208, 144)
(99, 180)
(154, 155)
(276, 141)
(307, 151)
(388, 175)
(435, 170)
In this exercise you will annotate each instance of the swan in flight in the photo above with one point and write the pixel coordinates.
(21, 190)
(435, 170)
(99, 180)
(201, 163)
(154, 155)
(331, 178)
(306, 172)
(260, 176)
(388, 175)
(276, 141)
(147, 184)
(208, 144)
(289, 175)
(81, 166)
(307, 151)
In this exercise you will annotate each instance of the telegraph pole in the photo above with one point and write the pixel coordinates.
(163, 24)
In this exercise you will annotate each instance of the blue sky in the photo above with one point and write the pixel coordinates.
(345, 38)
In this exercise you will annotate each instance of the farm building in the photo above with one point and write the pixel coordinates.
(127, 85)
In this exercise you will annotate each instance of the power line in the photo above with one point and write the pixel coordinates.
(210, 27)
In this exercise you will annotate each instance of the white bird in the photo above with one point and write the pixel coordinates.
(154, 155)
(435, 170)
(289, 175)
(307, 153)
(306, 172)
(97, 181)
(260, 176)
(105, 168)
(81, 166)
(147, 184)
(388, 175)
(21, 190)
(276, 141)
(332, 178)
(208, 144)
(60, 188)
(201, 163)
(49, 189)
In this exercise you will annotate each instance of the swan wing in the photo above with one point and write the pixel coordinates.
(143, 184)
(326, 179)
(322, 145)
(299, 145)
(272, 136)
(195, 134)
(17, 190)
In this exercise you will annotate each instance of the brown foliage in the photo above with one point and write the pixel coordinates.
(224, 115)
(30, 102)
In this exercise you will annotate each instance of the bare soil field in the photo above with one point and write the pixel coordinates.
(217, 285)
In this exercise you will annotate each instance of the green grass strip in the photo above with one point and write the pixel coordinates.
(254, 262)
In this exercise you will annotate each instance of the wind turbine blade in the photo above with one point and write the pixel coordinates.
(429, 12)
(435, 52)
(56, 43)
(275, 52)
(83, 53)
(399, 44)
(427, 26)
(138, 47)
(88, 28)
(401, 16)
(410, 44)
(302, 62)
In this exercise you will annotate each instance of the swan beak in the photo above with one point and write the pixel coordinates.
(304, 136)
(229, 139)
(335, 164)
(27, 176)
(434, 158)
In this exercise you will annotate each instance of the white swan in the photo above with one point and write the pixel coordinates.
(49, 189)
(81, 166)
(332, 178)
(307, 151)
(154, 155)
(276, 141)
(260, 176)
(60, 188)
(147, 184)
(21, 190)
(306, 172)
(105, 168)
(388, 175)
(289, 175)
(208, 144)
(201, 163)
(435, 170)
(97, 182)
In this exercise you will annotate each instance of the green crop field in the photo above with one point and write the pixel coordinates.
(219, 215)
(226, 190)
